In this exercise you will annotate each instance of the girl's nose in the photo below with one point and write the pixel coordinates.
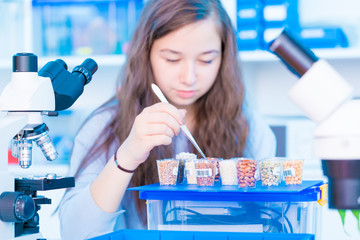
(189, 76)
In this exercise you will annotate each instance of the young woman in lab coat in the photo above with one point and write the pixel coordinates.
(188, 48)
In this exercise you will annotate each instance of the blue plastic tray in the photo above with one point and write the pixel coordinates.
(307, 192)
(182, 235)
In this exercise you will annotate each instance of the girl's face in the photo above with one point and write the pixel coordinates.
(185, 62)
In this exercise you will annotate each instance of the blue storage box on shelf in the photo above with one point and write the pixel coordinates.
(280, 13)
(249, 13)
(82, 27)
(181, 235)
(281, 209)
(249, 38)
(249, 24)
(323, 37)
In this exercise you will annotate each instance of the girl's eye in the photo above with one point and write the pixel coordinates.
(172, 60)
(206, 62)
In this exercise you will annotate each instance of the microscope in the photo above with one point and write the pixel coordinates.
(25, 99)
(327, 99)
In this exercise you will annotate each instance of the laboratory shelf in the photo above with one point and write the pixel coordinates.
(326, 53)
(102, 60)
(255, 56)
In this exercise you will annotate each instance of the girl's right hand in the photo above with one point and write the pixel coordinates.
(154, 126)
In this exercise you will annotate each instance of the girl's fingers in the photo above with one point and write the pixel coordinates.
(158, 129)
(169, 109)
(157, 140)
(164, 119)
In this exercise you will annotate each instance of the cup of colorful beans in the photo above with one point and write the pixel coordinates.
(205, 171)
(293, 171)
(270, 171)
(217, 169)
(188, 172)
(246, 169)
(167, 171)
(228, 172)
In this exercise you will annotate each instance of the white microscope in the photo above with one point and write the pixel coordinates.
(29, 95)
(327, 99)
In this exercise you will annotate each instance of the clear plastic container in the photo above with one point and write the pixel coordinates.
(205, 171)
(180, 176)
(168, 171)
(228, 172)
(186, 170)
(293, 171)
(270, 171)
(217, 169)
(190, 171)
(227, 209)
(246, 172)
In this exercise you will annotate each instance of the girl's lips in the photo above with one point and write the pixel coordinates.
(186, 94)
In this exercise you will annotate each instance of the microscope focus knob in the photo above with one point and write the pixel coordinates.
(16, 207)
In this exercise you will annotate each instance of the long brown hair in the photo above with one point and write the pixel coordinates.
(220, 128)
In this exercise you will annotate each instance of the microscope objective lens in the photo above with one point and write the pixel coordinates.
(25, 153)
(47, 147)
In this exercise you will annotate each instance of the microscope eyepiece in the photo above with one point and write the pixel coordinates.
(62, 63)
(68, 86)
(87, 69)
(296, 57)
(25, 62)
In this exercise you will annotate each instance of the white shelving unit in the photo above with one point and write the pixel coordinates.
(260, 56)
(257, 56)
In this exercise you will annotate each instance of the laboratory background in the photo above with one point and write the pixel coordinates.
(80, 29)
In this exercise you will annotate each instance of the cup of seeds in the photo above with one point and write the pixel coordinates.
(167, 171)
(270, 171)
(205, 171)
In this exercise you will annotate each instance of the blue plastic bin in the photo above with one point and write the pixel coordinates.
(280, 209)
(181, 235)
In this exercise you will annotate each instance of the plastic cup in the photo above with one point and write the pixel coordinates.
(293, 171)
(270, 171)
(190, 171)
(246, 170)
(183, 170)
(167, 171)
(228, 172)
(180, 176)
(217, 169)
(205, 171)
